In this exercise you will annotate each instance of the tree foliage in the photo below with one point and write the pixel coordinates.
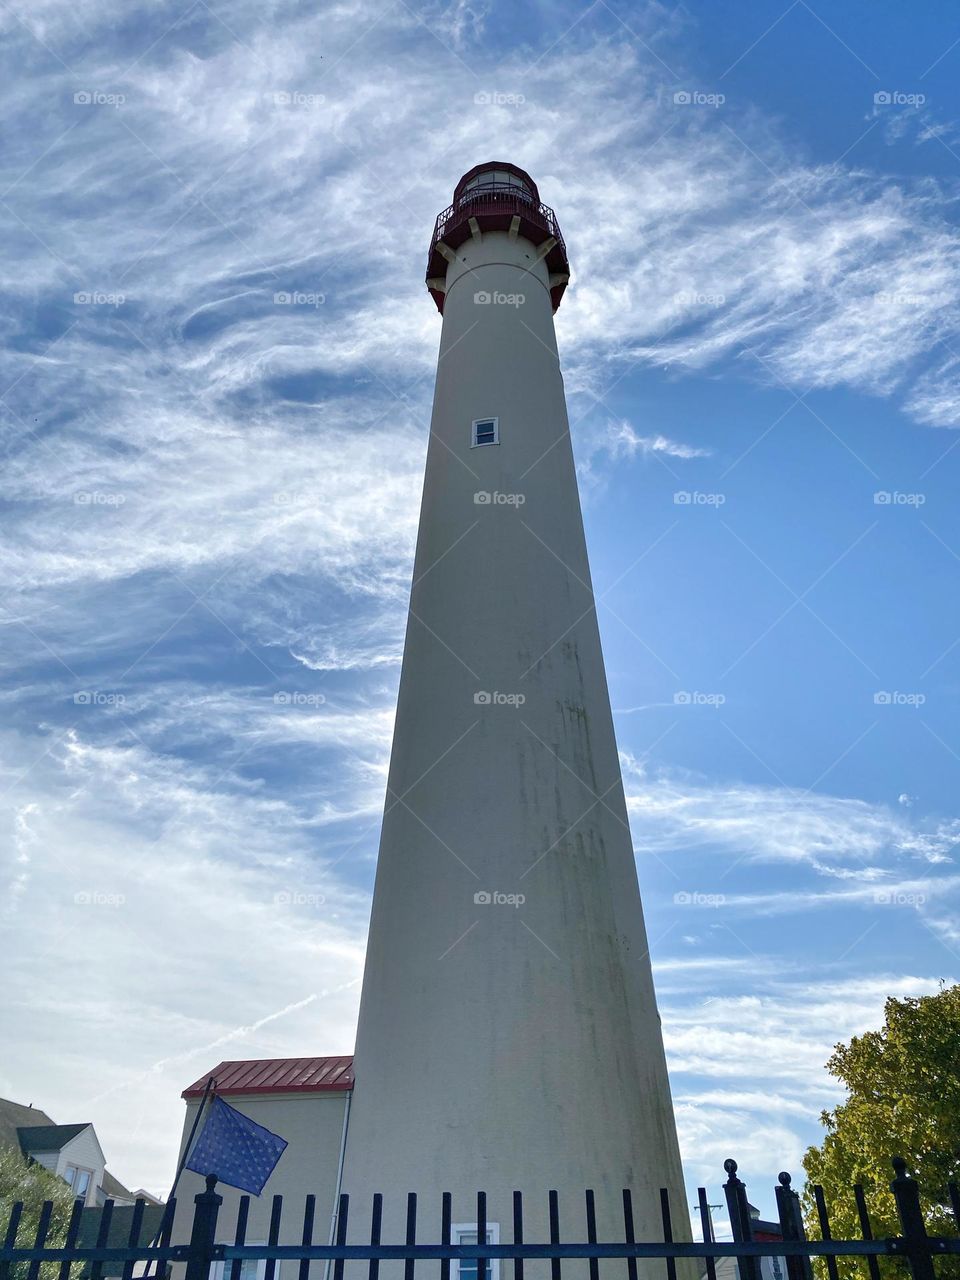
(25, 1180)
(903, 1085)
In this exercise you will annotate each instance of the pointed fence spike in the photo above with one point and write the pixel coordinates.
(667, 1231)
(825, 1234)
(916, 1242)
(73, 1231)
(628, 1232)
(375, 1226)
(273, 1235)
(240, 1235)
(706, 1230)
(555, 1269)
(446, 1215)
(481, 1232)
(16, 1213)
(133, 1237)
(10, 1238)
(343, 1213)
(376, 1223)
(518, 1232)
(43, 1226)
(866, 1230)
(409, 1264)
(103, 1237)
(163, 1236)
(306, 1235)
(592, 1232)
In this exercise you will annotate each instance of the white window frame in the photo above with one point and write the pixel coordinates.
(481, 444)
(463, 1228)
(71, 1174)
(221, 1270)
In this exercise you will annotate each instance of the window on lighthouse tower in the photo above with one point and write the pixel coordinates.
(485, 431)
(466, 1233)
(492, 181)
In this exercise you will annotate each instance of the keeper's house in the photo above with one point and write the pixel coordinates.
(307, 1102)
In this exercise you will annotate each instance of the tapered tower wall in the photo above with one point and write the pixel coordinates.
(506, 1044)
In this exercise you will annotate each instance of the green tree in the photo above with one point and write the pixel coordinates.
(903, 1100)
(22, 1179)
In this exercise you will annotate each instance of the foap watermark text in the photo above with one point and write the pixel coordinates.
(486, 898)
(482, 498)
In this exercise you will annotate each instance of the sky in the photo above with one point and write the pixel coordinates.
(209, 504)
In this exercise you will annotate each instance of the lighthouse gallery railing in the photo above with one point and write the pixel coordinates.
(496, 198)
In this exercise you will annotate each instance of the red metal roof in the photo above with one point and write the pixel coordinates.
(277, 1075)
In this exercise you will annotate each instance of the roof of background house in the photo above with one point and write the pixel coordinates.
(277, 1075)
(114, 1187)
(47, 1137)
(119, 1229)
(13, 1116)
(150, 1198)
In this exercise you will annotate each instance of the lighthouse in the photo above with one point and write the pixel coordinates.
(508, 1035)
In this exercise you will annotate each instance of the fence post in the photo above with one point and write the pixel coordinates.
(791, 1224)
(916, 1243)
(202, 1237)
(738, 1209)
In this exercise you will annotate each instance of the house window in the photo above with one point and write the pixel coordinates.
(466, 1233)
(250, 1268)
(79, 1180)
(485, 431)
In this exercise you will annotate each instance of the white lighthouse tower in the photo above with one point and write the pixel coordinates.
(508, 1036)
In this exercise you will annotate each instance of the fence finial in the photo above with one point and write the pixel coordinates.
(211, 1181)
(906, 1193)
(784, 1179)
(730, 1167)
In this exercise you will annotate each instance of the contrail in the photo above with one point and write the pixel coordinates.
(237, 1033)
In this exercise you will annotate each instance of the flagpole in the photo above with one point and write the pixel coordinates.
(210, 1085)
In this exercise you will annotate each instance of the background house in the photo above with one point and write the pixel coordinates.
(306, 1101)
(71, 1151)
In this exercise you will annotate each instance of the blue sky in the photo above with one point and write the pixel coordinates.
(210, 499)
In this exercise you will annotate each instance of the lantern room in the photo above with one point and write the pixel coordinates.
(497, 196)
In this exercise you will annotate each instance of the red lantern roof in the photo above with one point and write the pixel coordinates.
(277, 1075)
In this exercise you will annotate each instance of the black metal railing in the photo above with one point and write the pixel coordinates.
(915, 1249)
(497, 198)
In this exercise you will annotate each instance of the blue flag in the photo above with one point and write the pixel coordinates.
(239, 1151)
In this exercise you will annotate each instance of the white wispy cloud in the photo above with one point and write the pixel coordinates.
(671, 811)
(748, 1070)
(621, 440)
(164, 912)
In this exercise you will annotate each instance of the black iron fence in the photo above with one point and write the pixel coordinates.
(153, 1255)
